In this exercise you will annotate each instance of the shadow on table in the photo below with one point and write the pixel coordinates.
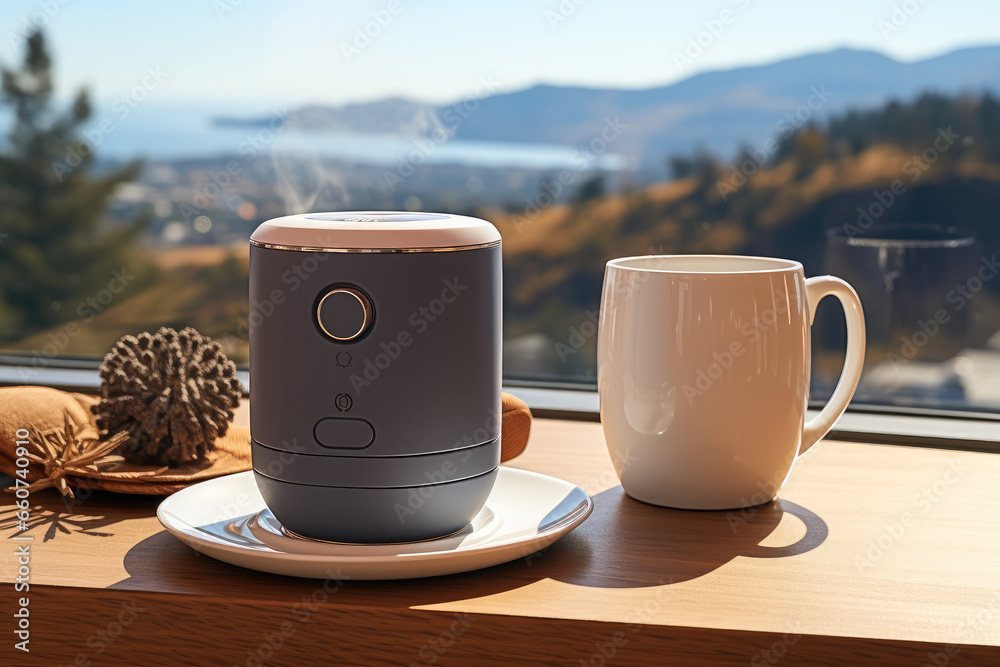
(624, 543)
(162, 563)
(634, 544)
(55, 516)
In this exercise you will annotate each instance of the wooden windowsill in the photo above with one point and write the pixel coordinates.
(895, 562)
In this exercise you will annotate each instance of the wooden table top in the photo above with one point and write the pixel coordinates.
(873, 555)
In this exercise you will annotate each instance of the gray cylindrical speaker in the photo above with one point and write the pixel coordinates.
(375, 372)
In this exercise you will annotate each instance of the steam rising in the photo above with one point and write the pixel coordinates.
(309, 181)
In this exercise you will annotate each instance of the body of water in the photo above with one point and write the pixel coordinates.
(177, 133)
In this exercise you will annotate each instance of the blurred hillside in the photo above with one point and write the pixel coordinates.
(813, 181)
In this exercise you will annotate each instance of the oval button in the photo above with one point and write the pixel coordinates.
(344, 433)
(344, 313)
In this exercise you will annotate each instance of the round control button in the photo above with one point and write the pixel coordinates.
(344, 313)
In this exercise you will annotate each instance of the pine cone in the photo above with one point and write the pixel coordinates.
(173, 392)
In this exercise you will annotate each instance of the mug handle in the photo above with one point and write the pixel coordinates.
(854, 360)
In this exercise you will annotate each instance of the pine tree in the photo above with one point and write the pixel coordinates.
(57, 248)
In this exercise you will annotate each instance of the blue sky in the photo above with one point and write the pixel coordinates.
(257, 52)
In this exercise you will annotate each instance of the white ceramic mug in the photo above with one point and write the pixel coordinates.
(703, 365)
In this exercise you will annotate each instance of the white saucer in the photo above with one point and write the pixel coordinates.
(225, 518)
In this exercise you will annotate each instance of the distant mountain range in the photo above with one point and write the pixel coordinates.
(715, 110)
